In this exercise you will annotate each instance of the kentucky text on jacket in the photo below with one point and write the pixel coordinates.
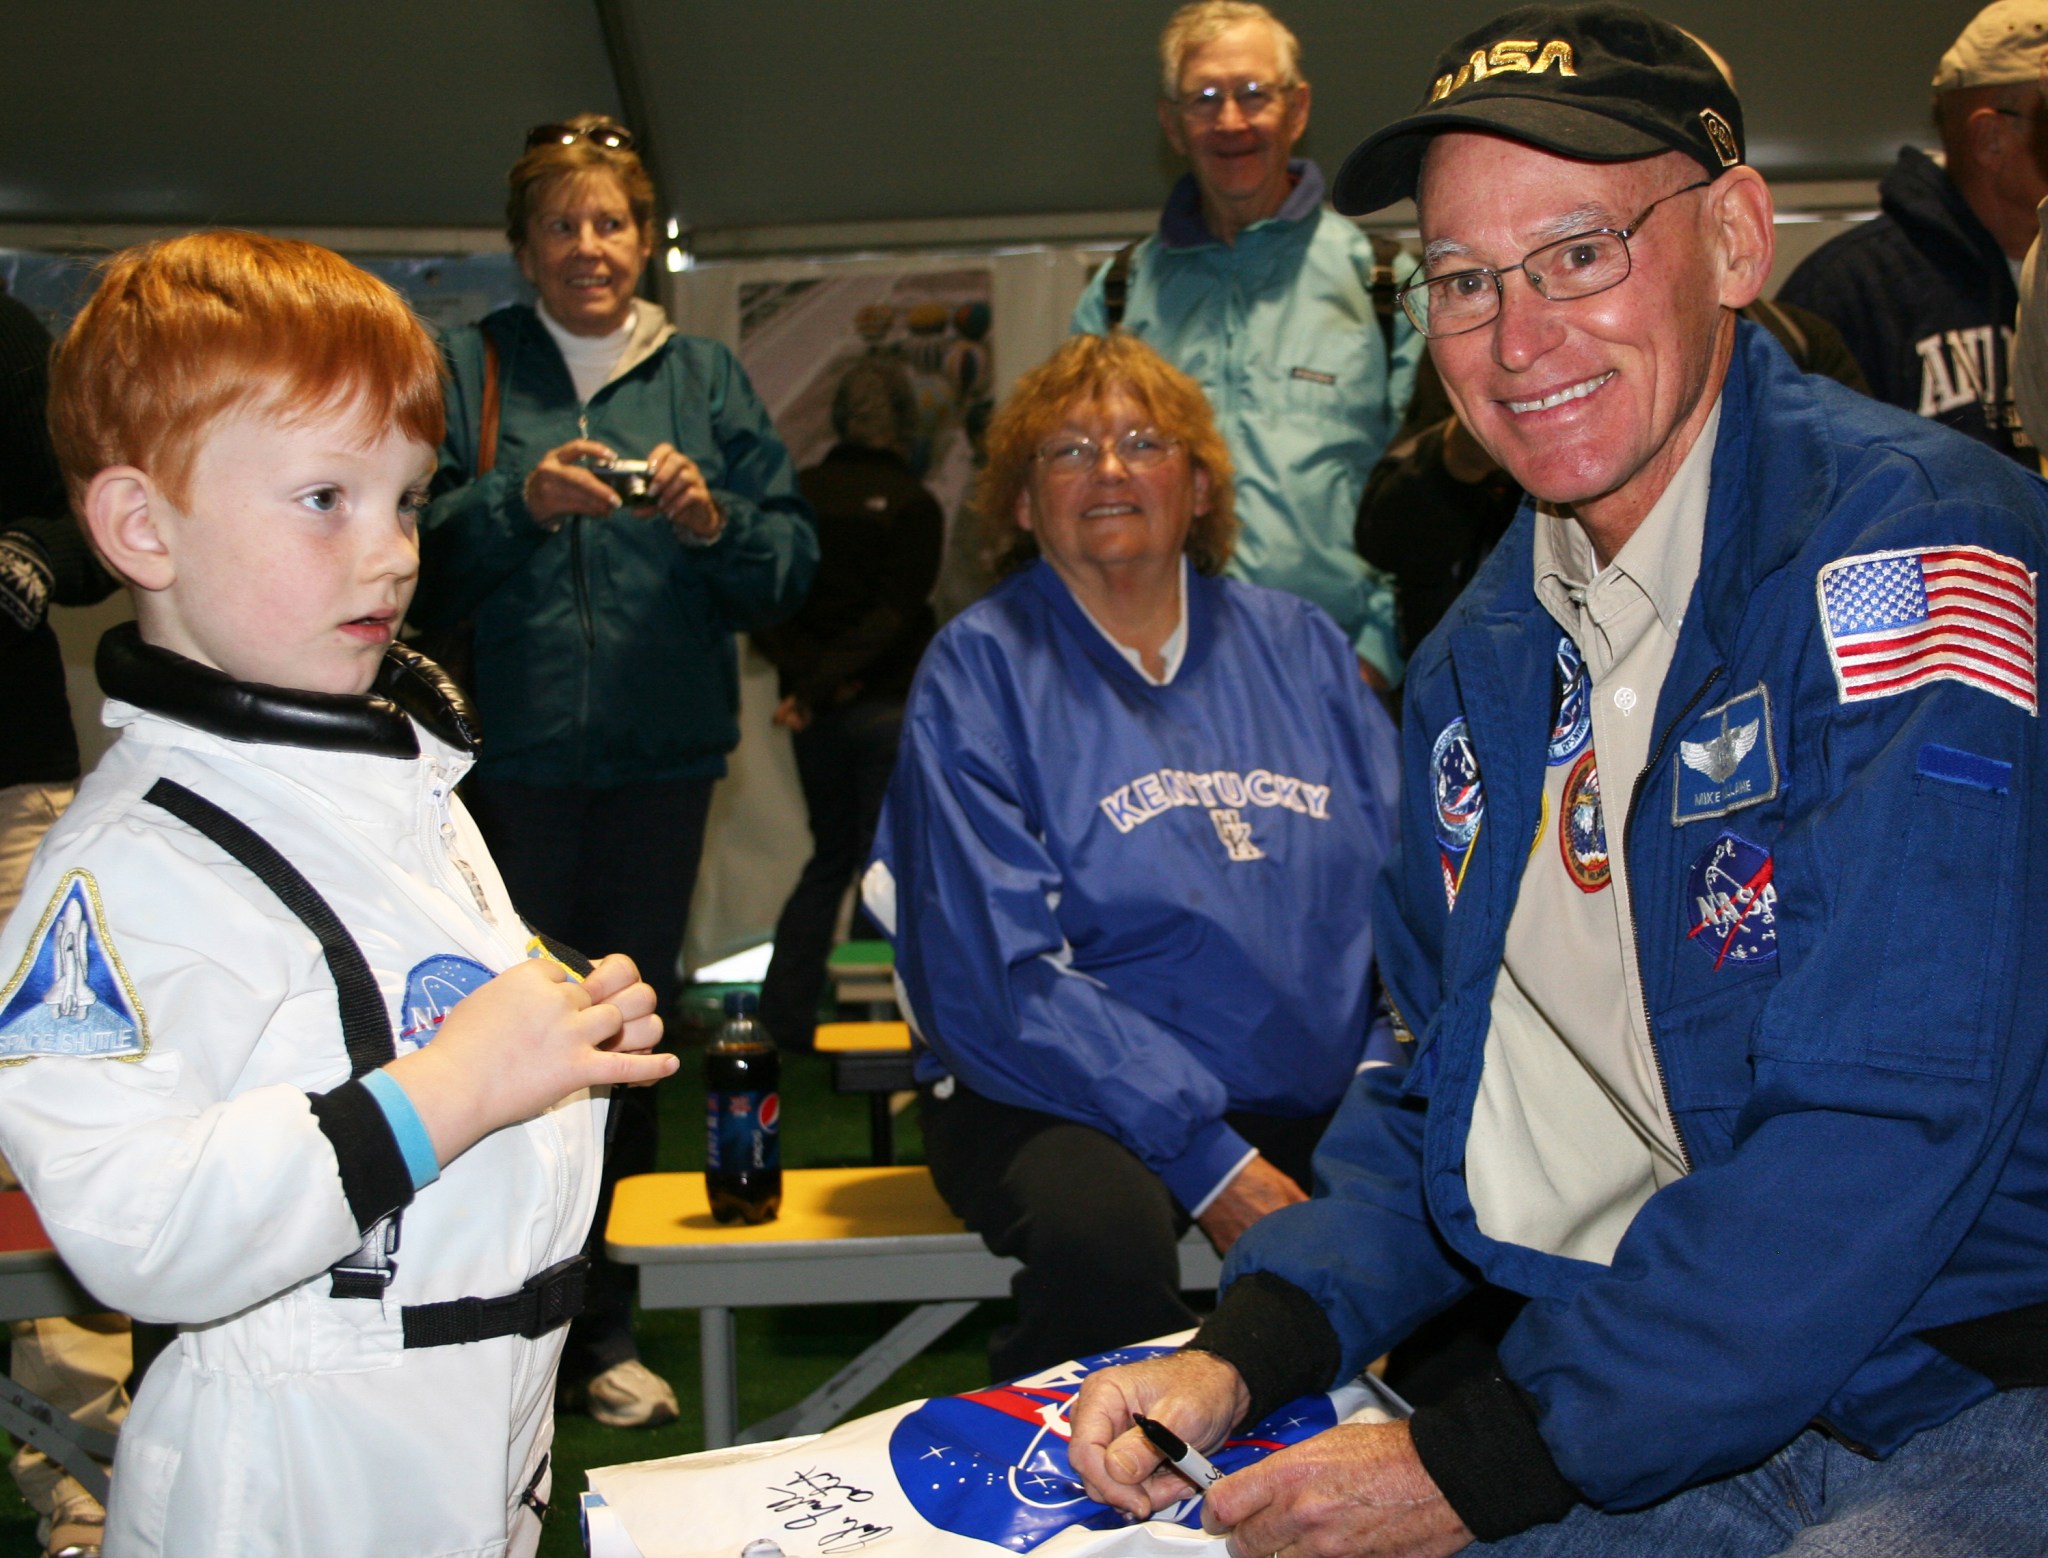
(1150, 794)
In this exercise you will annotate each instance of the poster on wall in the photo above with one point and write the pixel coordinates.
(799, 335)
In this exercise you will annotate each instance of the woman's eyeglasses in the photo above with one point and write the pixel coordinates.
(612, 137)
(1141, 449)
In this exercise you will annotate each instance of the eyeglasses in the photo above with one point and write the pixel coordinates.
(1253, 99)
(1141, 449)
(1575, 267)
(612, 137)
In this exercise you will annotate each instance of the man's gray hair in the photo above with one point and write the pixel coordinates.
(1204, 21)
(875, 405)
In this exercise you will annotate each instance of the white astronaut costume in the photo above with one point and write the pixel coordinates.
(199, 1155)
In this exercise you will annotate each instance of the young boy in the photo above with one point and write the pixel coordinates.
(216, 1078)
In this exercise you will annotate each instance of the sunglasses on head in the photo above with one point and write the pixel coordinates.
(612, 137)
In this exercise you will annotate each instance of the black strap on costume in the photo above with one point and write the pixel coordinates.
(545, 1300)
(1116, 288)
(364, 1027)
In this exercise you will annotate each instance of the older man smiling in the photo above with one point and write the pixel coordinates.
(1267, 299)
(1722, 841)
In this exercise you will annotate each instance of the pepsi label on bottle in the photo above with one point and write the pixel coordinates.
(742, 1118)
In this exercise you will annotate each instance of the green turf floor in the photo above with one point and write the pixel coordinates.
(784, 1354)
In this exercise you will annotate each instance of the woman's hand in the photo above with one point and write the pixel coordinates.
(683, 497)
(559, 487)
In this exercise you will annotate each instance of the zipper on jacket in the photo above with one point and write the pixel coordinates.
(451, 851)
(1634, 930)
(580, 584)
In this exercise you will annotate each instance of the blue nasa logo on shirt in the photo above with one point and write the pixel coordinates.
(1574, 722)
(70, 996)
(1726, 760)
(432, 990)
(1732, 903)
(993, 1465)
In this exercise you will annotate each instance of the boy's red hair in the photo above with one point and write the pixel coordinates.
(183, 330)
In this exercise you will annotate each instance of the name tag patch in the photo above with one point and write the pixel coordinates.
(1732, 903)
(1726, 760)
(1459, 799)
(71, 996)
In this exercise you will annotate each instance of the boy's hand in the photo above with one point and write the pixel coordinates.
(558, 487)
(617, 983)
(526, 1040)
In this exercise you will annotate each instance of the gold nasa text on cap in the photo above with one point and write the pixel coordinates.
(1510, 54)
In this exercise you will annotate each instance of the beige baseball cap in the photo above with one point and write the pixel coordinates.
(2001, 47)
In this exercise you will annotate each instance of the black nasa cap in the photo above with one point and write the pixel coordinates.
(1601, 82)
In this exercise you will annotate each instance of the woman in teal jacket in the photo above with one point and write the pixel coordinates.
(606, 676)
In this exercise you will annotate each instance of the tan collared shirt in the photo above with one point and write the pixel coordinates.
(1571, 1134)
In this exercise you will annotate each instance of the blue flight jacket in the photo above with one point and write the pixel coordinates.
(1858, 1098)
(1133, 906)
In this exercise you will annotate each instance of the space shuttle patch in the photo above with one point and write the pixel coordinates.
(71, 996)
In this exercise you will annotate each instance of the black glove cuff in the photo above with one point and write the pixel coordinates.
(1482, 1448)
(1276, 1337)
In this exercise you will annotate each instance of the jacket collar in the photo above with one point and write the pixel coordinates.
(1181, 225)
(378, 723)
(1773, 479)
(518, 329)
(1199, 602)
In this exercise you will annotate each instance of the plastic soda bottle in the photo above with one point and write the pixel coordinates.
(742, 1118)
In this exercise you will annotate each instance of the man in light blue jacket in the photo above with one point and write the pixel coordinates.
(1266, 297)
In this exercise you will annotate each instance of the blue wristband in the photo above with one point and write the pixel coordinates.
(407, 1129)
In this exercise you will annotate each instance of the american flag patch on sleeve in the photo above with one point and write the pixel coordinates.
(1895, 621)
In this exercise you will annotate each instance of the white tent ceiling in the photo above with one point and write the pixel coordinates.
(405, 113)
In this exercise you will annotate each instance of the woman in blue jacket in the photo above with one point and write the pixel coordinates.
(1136, 817)
(605, 671)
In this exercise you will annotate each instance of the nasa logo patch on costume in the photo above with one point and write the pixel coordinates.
(1459, 800)
(1574, 722)
(432, 990)
(993, 1465)
(71, 995)
(1726, 760)
(1581, 829)
(1732, 903)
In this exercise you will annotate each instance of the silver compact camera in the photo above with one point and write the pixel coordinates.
(632, 480)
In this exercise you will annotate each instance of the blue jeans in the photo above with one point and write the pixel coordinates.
(1972, 1488)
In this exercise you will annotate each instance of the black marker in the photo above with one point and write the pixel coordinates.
(1191, 1464)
